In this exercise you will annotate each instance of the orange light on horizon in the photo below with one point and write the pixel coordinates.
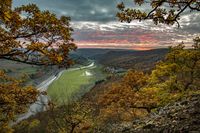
(115, 46)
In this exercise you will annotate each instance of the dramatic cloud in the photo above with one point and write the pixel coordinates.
(79, 10)
(122, 35)
(95, 25)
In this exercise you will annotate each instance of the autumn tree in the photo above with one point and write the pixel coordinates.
(115, 103)
(14, 99)
(135, 79)
(30, 36)
(180, 69)
(70, 118)
(161, 11)
(36, 37)
(181, 66)
(137, 94)
(127, 98)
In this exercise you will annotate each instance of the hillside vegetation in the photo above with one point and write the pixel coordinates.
(140, 60)
(146, 91)
(124, 59)
(112, 105)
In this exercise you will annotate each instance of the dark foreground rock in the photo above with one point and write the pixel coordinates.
(182, 116)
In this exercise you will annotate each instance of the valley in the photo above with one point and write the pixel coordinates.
(74, 82)
(66, 86)
(99, 66)
(97, 85)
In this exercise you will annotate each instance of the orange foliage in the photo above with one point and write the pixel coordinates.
(30, 36)
(124, 102)
(135, 79)
(14, 99)
(39, 37)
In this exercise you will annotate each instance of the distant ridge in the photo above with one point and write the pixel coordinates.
(98, 52)
(90, 52)
(124, 58)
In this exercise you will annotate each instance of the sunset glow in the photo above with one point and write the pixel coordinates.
(96, 26)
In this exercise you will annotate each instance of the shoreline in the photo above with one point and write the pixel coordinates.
(42, 100)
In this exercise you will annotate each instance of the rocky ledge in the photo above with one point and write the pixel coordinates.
(181, 116)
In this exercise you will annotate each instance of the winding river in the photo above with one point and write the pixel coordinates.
(42, 100)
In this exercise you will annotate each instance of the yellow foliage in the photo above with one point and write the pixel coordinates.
(137, 94)
(14, 98)
(33, 123)
(135, 79)
(70, 118)
(45, 38)
(179, 71)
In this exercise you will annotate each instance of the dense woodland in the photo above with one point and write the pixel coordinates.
(121, 99)
(161, 78)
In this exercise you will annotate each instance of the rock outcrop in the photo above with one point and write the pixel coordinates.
(182, 116)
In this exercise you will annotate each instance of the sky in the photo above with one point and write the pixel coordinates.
(95, 25)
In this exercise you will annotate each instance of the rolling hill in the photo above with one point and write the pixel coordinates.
(126, 59)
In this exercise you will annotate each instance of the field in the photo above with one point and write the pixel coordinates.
(72, 84)
(17, 68)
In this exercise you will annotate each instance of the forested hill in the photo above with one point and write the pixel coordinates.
(119, 58)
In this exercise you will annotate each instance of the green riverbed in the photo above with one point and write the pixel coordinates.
(74, 83)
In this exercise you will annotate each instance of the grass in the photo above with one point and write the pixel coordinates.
(29, 70)
(15, 67)
(72, 84)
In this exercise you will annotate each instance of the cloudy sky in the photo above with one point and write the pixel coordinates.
(95, 25)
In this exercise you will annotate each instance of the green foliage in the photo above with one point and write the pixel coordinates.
(63, 89)
(180, 69)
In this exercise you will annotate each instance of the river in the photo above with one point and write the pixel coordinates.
(42, 100)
